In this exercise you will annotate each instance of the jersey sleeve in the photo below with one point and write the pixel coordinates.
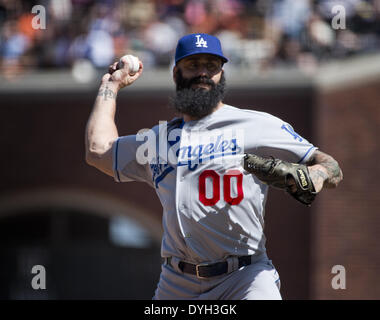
(125, 166)
(277, 138)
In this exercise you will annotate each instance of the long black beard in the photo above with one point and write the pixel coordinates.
(198, 102)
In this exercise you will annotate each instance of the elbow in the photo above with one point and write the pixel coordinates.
(90, 158)
(93, 157)
(100, 159)
(94, 153)
(338, 177)
(339, 173)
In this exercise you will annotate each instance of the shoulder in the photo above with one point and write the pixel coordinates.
(162, 125)
(163, 128)
(248, 114)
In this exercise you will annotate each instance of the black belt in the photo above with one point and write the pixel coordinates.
(205, 270)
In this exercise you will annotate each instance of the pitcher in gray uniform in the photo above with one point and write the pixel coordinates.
(213, 243)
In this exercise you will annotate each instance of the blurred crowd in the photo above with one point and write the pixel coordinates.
(255, 34)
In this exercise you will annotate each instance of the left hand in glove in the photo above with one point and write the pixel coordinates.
(292, 177)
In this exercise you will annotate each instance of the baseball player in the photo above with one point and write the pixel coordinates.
(211, 168)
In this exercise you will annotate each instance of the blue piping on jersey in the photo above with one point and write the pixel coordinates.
(312, 147)
(116, 157)
(162, 176)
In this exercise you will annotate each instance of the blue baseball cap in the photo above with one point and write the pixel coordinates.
(198, 43)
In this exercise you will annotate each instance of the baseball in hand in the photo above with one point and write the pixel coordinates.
(133, 63)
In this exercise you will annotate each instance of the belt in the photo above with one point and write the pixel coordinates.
(208, 270)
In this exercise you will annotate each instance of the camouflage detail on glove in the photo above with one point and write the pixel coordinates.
(276, 173)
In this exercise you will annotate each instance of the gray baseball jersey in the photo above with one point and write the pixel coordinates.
(212, 208)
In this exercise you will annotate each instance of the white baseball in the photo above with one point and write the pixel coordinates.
(133, 63)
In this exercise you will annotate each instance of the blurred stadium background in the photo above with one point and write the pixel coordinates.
(101, 240)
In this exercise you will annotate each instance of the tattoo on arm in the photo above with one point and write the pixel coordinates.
(334, 174)
(319, 174)
(106, 93)
(318, 177)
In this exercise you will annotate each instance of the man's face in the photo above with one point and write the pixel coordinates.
(200, 84)
(204, 66)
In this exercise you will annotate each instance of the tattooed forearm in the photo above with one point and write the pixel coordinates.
(106, 93)
(318, 176)
(330, 171)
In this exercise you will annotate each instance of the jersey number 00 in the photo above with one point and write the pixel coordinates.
(214, 176)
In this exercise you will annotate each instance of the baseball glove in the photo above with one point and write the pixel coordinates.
(276, 173)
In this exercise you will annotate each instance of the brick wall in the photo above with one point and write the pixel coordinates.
(346, 225)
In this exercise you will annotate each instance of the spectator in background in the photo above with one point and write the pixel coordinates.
(268, 33)
(14, 44)
(99, 42)
(99, 48)
(161, 40)
(291, 16)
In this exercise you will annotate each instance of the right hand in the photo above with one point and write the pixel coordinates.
(121, 77)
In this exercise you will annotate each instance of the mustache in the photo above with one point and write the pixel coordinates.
(200, 79)
(187, 83)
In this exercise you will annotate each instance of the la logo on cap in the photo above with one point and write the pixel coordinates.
(200, 42)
